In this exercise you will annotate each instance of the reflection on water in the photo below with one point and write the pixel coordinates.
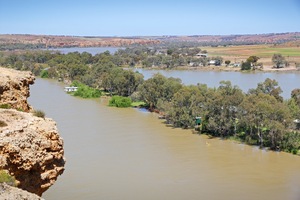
(143, 110)
(115, 154)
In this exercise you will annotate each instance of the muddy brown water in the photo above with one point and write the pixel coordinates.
(128, 154)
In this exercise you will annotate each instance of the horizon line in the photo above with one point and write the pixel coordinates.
(165, 35)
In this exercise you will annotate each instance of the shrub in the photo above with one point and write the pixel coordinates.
(5, 106)
(85, 91)
(39, 113)
(44, 74)
(2, 123)
(6, 178)
(120, 102)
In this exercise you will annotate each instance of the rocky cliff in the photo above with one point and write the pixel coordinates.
(30, 147)
(14, 88)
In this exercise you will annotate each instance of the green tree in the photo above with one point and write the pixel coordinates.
(270, 87)
(267, 118)
(296, 96)
(121, 82)
(227, 62)
(246, 66)
(186, 105)
(278, 60)
(222, 109)
(252, 59)
(158, 87)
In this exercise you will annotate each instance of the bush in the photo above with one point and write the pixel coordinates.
(5, 106)
(44, 74)
(6, 178)
(39, 113)
(120, 102)
(85, 91)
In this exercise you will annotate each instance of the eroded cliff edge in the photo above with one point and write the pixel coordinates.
(30, 147)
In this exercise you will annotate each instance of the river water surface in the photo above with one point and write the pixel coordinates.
(286, 80)
(127, 154)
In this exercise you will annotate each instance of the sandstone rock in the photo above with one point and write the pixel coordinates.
(11, 193)
(14, 88)
(31, 149)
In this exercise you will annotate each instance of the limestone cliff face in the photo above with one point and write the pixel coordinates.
(14, 88)
(30, 147)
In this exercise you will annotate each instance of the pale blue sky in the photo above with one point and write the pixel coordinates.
(149, 17)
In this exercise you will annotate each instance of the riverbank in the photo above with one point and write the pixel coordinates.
(266, 69)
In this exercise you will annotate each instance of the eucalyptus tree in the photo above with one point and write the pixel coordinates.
(270, 87)
(158, 87)
(121, 82)
(223, 106)
(279, 60)
(265, 118)
(187, 104)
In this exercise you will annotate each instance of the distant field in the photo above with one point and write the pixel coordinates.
(265, 52)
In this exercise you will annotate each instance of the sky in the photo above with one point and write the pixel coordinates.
(148, 17)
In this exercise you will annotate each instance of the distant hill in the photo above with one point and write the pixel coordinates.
(271, 38)
(13, 41)
(24, 41)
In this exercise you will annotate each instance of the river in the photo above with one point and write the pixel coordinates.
(286, 80)
(128, 154)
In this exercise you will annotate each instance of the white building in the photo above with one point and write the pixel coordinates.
(71, 89)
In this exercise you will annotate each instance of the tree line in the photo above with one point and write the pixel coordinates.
(260, 116)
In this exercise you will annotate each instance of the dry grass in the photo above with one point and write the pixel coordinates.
(265, 52)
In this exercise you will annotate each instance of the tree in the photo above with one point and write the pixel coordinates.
(158, 87)
(170, 51)
(269, 87)
(296, 96)
(227, 62)
(267, 118)
(279, 61)
(222, 108)
(185, 106)
(246, 66)
(121, 82)
(252, 59)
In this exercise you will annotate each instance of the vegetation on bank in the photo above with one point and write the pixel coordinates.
(5, 106)
(39, 113)
(120, 102)
(259, 116)
(85, 91)
(6, 178)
